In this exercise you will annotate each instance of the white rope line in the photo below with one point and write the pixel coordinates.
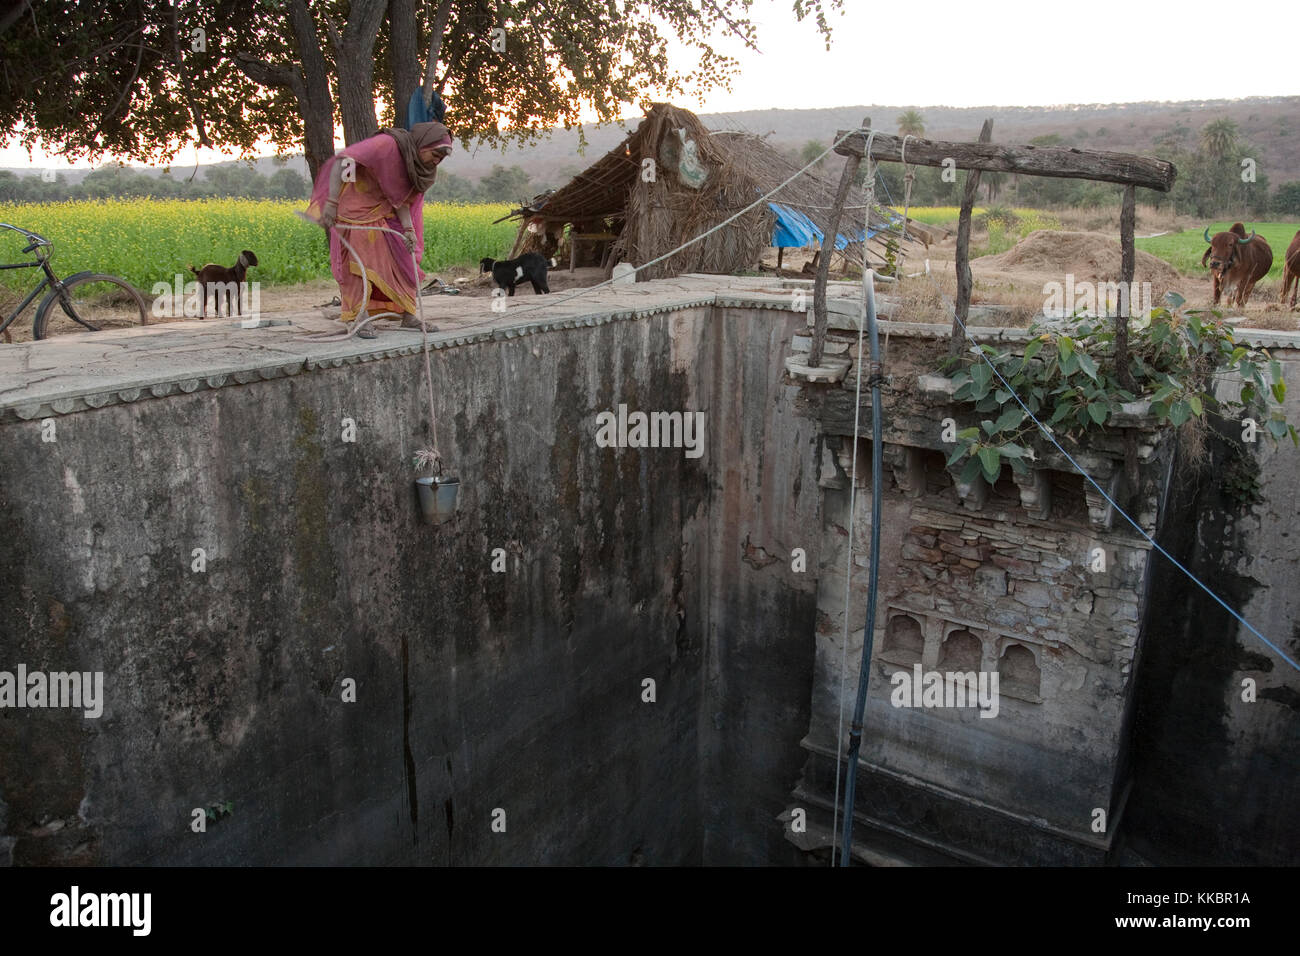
(360, 322)
(907, 185)
(1051, 437)
(560, 300)
(848, 591)
(848, 571)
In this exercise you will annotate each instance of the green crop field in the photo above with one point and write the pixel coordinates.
(1183, 250)
(147, 241)
(948, 215)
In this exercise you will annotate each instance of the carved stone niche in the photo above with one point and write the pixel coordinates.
(904, 638)
(1101, 513)
(962, 650)
(1035, 492)
(974, 494)
(1020, 673)
(844, 456)
(908, 465)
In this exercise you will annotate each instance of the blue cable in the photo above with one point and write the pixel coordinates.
(1048, 432)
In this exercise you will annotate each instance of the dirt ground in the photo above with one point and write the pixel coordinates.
(319, 293)
(1015, 278)
(309, 295)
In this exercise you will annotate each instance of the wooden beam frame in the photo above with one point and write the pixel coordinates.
(1061, 162)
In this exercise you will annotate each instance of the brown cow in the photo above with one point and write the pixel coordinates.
(1237, 259)
(1291, 270)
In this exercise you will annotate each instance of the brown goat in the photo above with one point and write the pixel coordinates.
(219, 279)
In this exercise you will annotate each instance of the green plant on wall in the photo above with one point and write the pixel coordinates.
(1240, 482)
(1066, 378)
(220, 810)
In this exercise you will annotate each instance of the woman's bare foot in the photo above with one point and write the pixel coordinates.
(411, 322)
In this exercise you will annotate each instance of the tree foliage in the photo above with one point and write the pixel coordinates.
(133, 79)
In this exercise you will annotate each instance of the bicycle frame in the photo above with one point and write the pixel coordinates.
(49, 281)
(36, 243)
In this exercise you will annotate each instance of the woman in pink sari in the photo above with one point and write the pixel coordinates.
(379, 181)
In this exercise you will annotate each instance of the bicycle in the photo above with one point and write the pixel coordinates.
(87, 301)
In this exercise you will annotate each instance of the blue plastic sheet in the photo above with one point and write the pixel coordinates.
(795, 230)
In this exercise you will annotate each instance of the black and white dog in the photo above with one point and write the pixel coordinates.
(508, 273)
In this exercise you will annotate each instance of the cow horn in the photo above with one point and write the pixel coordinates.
(1248, 238)
(1207, 234)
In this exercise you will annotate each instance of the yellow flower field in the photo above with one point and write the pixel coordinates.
(149, 240)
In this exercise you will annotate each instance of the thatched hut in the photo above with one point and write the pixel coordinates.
(671, 180)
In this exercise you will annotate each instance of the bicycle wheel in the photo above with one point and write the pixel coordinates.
(90, 302)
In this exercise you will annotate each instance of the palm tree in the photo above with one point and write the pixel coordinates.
(911, 124)
(1219, 138)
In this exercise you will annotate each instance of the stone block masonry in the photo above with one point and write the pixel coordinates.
(1028, 579)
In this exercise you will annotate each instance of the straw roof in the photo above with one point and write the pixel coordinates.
(655, 217)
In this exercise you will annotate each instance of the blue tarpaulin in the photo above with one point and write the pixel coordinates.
(794, 229)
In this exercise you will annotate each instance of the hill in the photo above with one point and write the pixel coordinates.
(1271, 124)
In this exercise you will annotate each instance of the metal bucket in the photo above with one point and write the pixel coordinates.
(437, 498)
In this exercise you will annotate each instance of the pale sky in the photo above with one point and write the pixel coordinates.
(949, 53)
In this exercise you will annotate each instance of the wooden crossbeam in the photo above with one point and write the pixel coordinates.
(1060, 162)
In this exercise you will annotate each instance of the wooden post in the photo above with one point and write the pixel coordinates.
(964, 279)
(519, 237)
(1128, 263)
(851, 163)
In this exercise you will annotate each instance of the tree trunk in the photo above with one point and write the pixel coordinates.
(404, 52)
(354, 54)
(308, 81)
(312, 90)
(437, 31)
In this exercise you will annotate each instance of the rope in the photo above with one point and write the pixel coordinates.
(1046, 430)
(360, 323)
(853, 491)
(560, 300)
(908, 176)
(848, 579)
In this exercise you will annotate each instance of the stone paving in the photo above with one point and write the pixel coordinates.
(77, 372)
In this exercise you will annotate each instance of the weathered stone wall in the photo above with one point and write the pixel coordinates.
(1013, 565)
(474, 690)
(760, 644)
(1217, 777)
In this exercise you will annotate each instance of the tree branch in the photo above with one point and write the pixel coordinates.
(439, 28)
(733, 27)
(10, 16)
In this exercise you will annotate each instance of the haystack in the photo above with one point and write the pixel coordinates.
(1088, 256)
(697, 180)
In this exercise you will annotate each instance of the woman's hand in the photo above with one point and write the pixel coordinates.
(408, 227)
(329, 215)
